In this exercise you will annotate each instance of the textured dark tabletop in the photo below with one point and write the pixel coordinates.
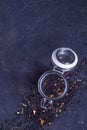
(29, 31)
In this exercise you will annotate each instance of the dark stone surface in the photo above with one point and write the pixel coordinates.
(29, 31)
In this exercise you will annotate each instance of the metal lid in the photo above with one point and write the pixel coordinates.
(64, 58)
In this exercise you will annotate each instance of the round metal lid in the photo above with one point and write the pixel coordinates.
(64, 58)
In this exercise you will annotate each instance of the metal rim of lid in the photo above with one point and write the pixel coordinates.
(40, 85)
(61, 65)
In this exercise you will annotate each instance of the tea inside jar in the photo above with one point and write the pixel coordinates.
(53, 85)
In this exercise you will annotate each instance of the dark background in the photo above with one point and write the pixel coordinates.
(29, 31)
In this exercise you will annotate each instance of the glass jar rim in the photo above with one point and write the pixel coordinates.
(41, 80)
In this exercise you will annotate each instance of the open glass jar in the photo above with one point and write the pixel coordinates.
(53, 84)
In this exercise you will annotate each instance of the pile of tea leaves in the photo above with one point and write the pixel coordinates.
(30, 116)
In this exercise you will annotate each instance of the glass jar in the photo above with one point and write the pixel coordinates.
(53, 84)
